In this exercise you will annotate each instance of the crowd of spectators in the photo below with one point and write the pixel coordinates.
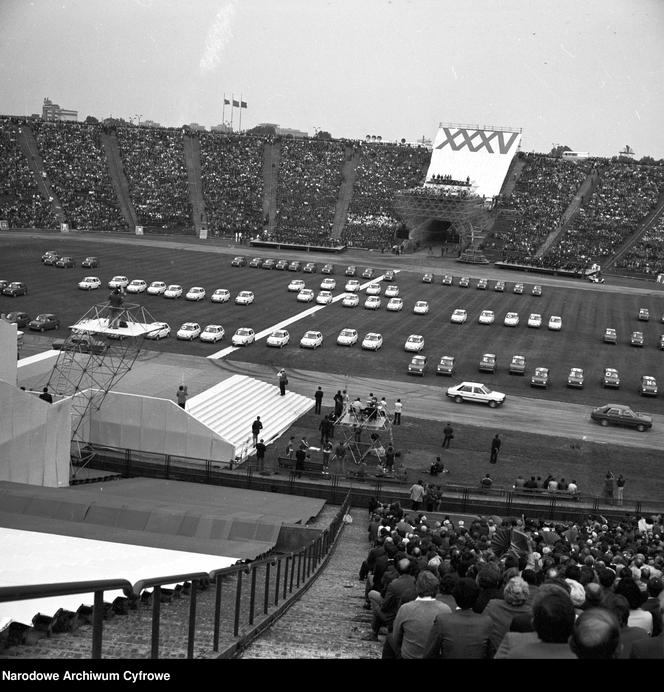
(542, 193)
(232, 180)
(154, 163)
(75, 163)
(625, 193)
(646, 256)
(512, 588)
(382, 170)
(21, 203)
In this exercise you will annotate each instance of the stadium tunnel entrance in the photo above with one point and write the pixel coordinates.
(433, 232)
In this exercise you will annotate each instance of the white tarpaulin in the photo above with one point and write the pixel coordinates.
(483, 155)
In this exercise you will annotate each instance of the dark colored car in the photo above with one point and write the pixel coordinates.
(327, 269)
(369, 273)
(446, 280)
(295, 266)
(648, 386)
(464, 281)
(445, 366)
(482, 284)
(65, 262)
(50, 260)
(540, 378)
(15, 288)
(269, 264)
(488, 363)
(256, 262)
(575, 378)
(518, 365)
(310, 267)
(351, 270)
(43, 322)
(611, 378)
(21, 319)
(239, 261)
(618, 414)
(635, 340)
(82, 343)
(3, 285)
(388, 276)
(417, 365)
(281, 264)
(90, 262)
(48, 254)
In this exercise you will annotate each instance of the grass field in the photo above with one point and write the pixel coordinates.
(586, 313)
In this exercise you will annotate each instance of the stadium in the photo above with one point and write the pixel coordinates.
(142, 523)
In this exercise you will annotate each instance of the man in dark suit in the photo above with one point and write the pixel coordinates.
(653, 605)
(400, 590)
(462, 633)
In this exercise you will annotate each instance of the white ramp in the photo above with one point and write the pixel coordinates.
(230, 407)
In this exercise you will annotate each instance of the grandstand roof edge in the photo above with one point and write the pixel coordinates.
(474, 126)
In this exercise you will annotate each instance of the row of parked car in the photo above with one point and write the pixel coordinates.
(481, 284)
(51, 258)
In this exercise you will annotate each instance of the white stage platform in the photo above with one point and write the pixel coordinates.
(100, 325)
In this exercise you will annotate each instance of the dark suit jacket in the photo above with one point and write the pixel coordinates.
(401, 590)
(461, 634)
(653, 647)
(653, 606)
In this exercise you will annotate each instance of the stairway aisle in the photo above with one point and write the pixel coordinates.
(328, 621)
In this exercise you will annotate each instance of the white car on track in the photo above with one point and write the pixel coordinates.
(173, 291)
(89, 283)
(195, 293)
(221, 295)
(351, 300)
(511, 319)
(372, 341)
(475, 392)
(306, 295)
(373, 290)
(394, 304)
(212, 333)
(158, 330)
(352, 285)
(189, 331)
(136, 286)
(414, 343)
(328, 284)
(278, 339)
(311, 339)
(421, 307)
(392, 291)
(535, 320)
(157, 288)
(243, 337)
(486, 317)
(459, 316)
(296, 285)
(244, 298)
(118, 282)
(324, 297)
(555, 323)
(347, 337)
(372, 303)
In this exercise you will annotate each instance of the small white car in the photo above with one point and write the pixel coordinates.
(459, 316)
(243, 337)
(535, 320)
(518, 289)
(352, 285)
(189, 331)
(373, 290)
(414, 343)
(173, 291)
(278, 339)
(351, 300)
(89, 283)
(244, 298)
(306, 295)
(157, 288)
(347, 337)
(395, 304)
(372, 341)
(158, 330)
(328, 284)
(555, 323)
(475, 392)
(486, 317)
(372, 303)
(136, 286)
(212, 333)
(392, 291)
(311, 339)
(195, 293)
(221, 295)
(118, 282)
(324, 297)
(421, 307)
(511, 319)
(296, 285)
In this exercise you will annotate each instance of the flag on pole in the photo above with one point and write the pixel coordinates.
(243, 104)
(236, 104)
(227, 102)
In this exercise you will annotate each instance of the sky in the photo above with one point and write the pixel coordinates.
(588, 74)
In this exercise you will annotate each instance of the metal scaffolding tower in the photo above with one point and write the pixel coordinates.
(367, 432)
(100, 349)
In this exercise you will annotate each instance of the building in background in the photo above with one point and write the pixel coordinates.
(54, 113)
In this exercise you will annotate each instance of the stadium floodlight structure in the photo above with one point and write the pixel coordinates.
(100, 349)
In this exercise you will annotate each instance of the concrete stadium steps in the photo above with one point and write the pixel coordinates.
(231, 406)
